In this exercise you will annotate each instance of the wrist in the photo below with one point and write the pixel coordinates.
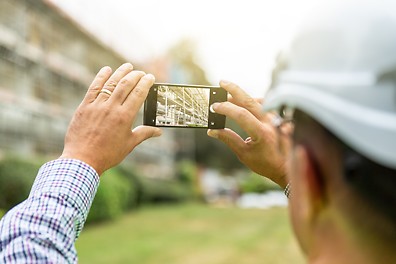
(281, 180)
(83, 159)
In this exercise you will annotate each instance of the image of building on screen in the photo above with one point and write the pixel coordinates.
(182, 106)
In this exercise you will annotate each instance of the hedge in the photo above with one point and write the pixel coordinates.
(154, 190)
(112, 197)
(120, 188)
(16, 178)
(130, 175)
(187, 174)
(162, 191)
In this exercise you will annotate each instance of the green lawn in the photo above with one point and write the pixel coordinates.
(189, 234)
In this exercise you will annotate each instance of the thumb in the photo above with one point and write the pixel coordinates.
(228, 137)
(141, 133)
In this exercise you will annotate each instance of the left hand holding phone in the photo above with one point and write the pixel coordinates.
(100, 130)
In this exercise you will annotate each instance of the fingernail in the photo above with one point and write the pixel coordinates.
(105, 69)
(127, 65)
(213, 133)
(214, 106)
(149, 76)
(157, 133)
(224, 82)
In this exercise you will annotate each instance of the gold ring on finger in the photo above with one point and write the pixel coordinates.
(106, 91)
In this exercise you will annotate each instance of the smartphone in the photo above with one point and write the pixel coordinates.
(185, 106)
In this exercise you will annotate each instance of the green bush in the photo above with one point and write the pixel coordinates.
(121, 188)
(112, 197)
(129, 174)
(187, 174)
(16, 178)
(255, 183)
(154, 190)
(159, 191)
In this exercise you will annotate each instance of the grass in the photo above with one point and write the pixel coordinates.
(192, 234)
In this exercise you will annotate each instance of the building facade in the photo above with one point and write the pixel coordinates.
(47, 61)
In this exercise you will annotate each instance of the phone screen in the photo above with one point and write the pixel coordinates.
(172, 105)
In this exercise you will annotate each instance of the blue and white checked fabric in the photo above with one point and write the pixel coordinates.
(44, 227)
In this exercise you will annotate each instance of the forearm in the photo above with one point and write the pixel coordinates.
(45, 226)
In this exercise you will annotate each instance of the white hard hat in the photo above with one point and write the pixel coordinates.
(341, 70)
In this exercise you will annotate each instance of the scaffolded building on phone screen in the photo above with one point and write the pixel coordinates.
(181, 106)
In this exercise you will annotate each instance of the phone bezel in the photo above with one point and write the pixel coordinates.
(215, 121)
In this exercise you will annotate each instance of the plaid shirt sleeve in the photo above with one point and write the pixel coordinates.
(44, 227)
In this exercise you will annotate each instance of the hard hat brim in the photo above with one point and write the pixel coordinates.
(370, 131)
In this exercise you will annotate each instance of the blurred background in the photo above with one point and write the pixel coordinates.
(180, 198)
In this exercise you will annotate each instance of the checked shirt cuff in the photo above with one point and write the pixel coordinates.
(72, 179)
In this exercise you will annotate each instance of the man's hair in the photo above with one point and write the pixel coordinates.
(373, 184)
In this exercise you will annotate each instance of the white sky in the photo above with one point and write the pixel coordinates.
(235, 40)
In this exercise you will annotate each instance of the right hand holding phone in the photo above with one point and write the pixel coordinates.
(259, 151)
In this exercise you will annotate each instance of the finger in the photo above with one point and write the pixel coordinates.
(263, 116)
(241, 98)
(138, 95)
(245, 119)
(125, 86)
(232, 100)
(141, 133)
(112, 82)
(97, 84)
(228, 137)
(259, 100)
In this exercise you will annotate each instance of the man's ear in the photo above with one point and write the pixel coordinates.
(306, 196)
(310, 180)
